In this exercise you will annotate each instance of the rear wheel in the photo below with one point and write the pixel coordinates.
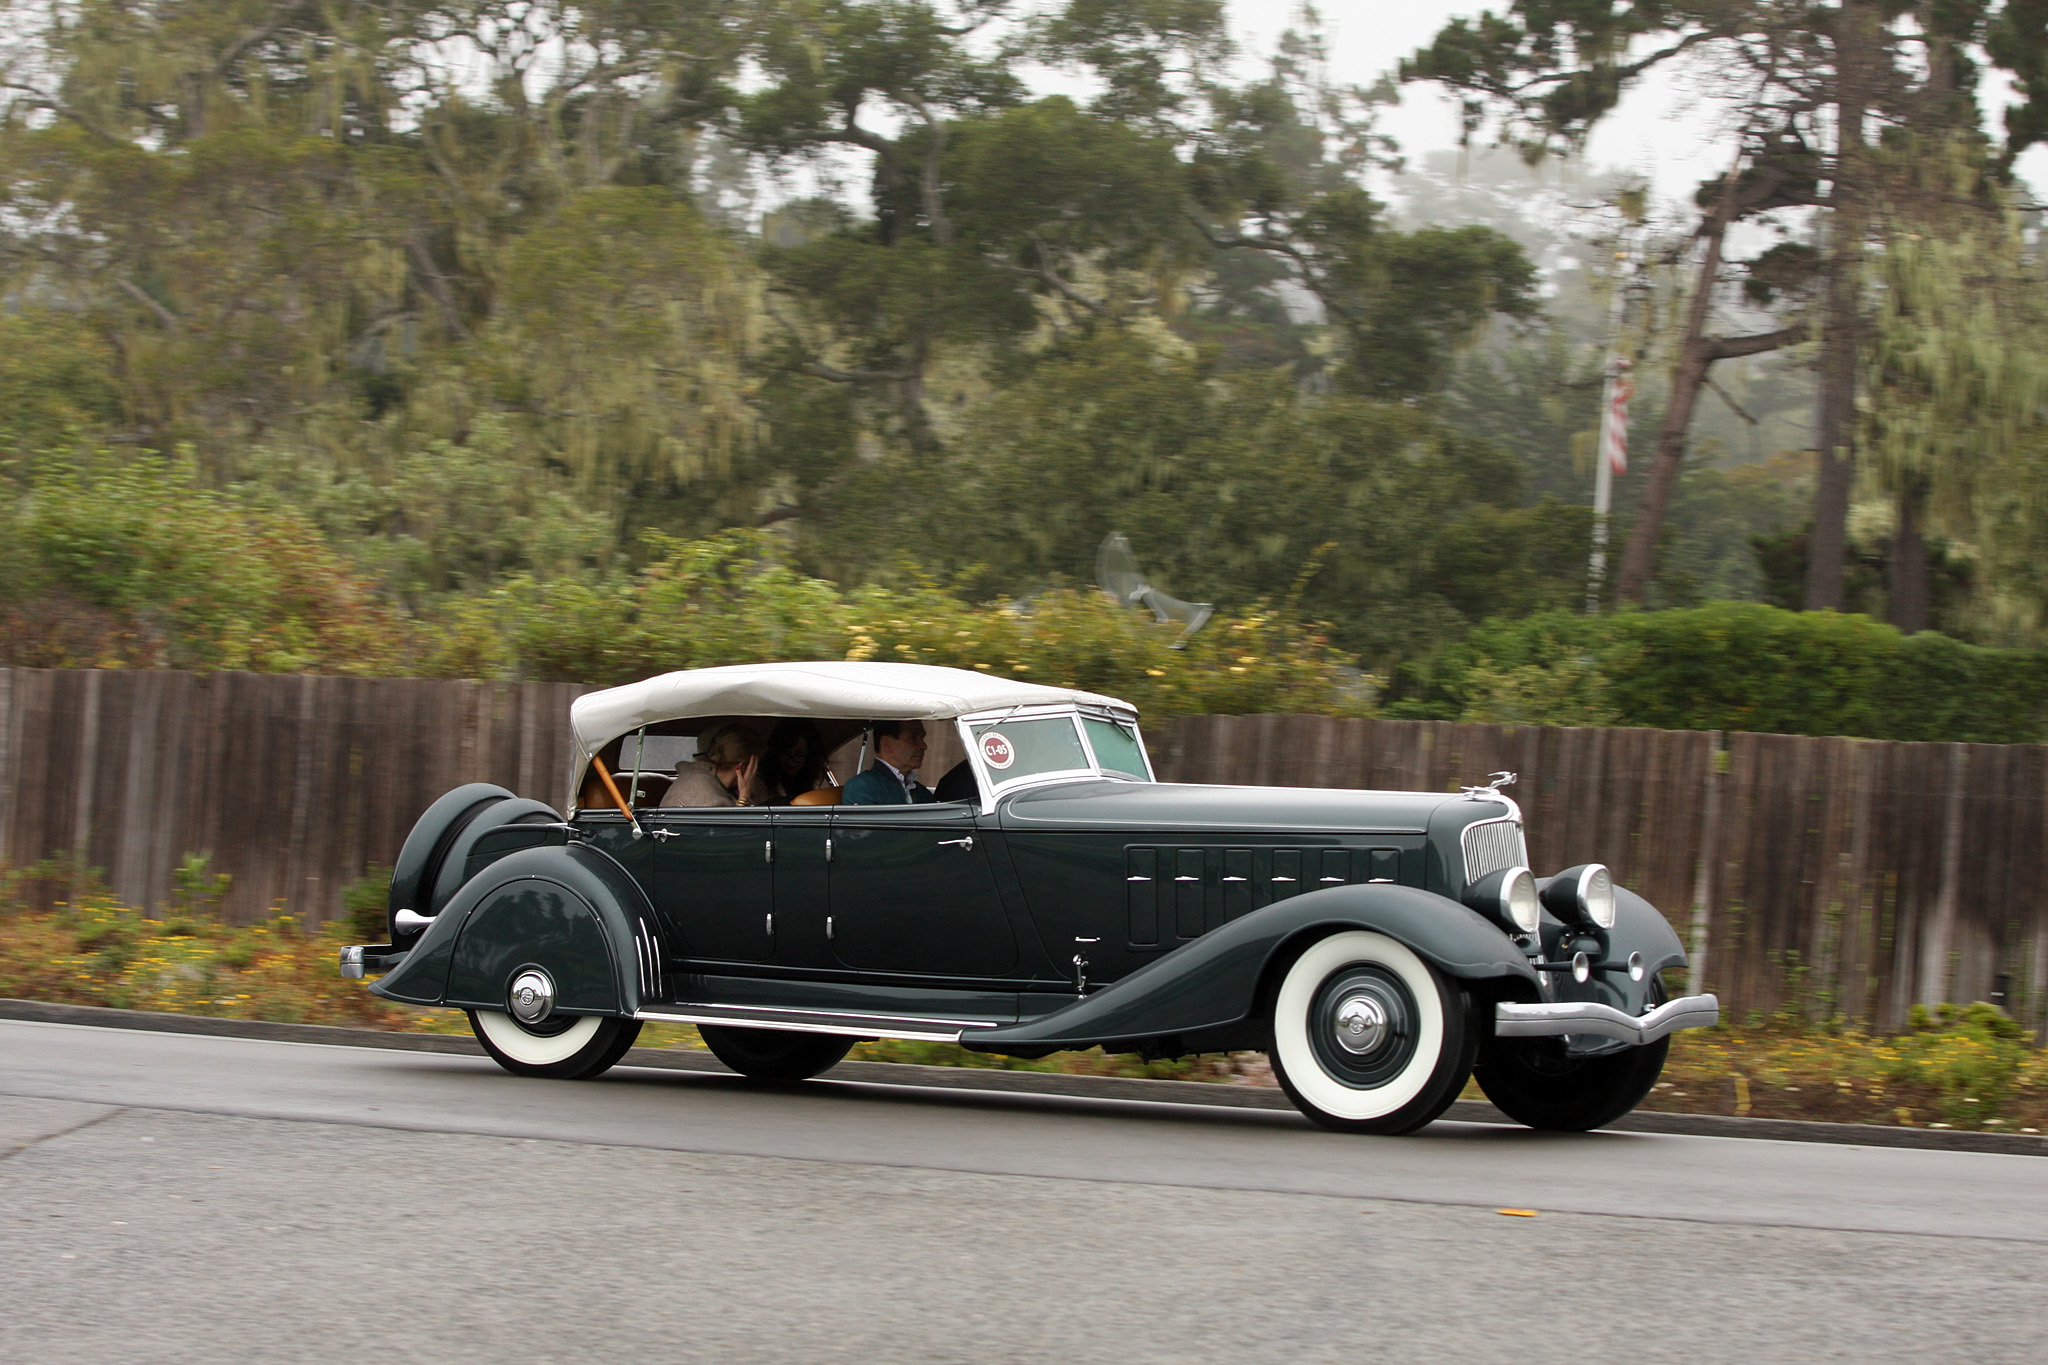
(1534, 1081)
(1369, 1038)
(774, 1055)
(562, 1046)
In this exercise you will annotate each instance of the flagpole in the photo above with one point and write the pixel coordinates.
(1611, 440)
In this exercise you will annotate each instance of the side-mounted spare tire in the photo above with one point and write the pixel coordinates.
(455, 869)
(426, 847)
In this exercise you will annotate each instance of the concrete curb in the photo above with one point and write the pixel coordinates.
(1030, 1082)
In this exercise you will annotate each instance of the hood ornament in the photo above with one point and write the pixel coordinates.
(1492, 788)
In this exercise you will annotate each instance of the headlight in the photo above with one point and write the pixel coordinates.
(1508, 897)
(1582, 895)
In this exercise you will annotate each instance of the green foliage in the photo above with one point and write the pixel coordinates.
(1739, 666)
(728, 599)
(366, 904)
(107, 562)
(196, 888)
(1226, 484)
(1972, 1056)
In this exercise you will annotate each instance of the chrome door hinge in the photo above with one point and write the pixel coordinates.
(771, 924)
(828, 928)
(828, 850)
(767, 850)
(1081, 965)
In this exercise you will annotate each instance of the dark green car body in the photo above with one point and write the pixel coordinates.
(1097, 910)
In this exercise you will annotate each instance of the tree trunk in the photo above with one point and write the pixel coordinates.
(1909, 587)
(1639, 559)
(1827, 550)
(1695, 355)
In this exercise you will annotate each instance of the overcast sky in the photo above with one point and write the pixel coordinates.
(1661, 132)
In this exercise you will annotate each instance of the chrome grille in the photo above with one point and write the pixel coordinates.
(1491, 845)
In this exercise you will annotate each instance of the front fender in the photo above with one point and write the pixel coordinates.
(1213, 982)
(1638, 928)
(569, 909)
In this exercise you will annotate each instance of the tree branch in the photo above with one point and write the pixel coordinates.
(819, 369)
(1046, 272)
(436, 285)
(1301, 259)
(235, 50)
(1729, 399)
(1730, 348)
(141, 296)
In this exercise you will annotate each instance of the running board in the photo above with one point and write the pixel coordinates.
(818, 1021)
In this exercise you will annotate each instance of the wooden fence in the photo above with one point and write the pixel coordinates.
(1833, 874)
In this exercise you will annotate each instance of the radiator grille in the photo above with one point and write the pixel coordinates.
(1492, 845)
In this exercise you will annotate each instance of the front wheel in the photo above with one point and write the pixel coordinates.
(1369, 1038)
(772, 1055)
(1534, 1081)
(560, 1047)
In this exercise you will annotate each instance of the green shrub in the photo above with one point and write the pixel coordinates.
(1738, 666)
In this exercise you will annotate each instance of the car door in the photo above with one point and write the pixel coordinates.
(911, 890)
(713, 881)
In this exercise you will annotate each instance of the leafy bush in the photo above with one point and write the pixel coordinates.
(1738, 666)
(727, 599)
(108, 562)
(1967, 1066)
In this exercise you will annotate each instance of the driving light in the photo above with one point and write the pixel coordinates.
(1509, 898)
(1582, 895)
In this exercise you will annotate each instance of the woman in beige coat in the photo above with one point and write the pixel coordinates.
(726, 771)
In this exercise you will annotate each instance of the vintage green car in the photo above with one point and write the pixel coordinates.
(1380, 946)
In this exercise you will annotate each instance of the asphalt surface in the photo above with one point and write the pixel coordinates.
(165, 1197)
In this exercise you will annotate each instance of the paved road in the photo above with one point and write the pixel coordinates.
(172, 1198)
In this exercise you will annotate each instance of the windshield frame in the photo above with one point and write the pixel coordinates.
(994, 784)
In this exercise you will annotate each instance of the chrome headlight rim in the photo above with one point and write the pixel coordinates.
(1509, 898)
(1595, 895)
(1582, 896)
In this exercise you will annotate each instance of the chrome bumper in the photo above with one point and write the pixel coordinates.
(369, 958)
(1605, 1021)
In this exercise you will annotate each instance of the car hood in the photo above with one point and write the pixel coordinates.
(1167, 806)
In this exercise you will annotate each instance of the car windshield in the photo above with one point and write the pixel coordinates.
(1116, 747)
(1011, 749)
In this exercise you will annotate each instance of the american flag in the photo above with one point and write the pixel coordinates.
(1614, 419)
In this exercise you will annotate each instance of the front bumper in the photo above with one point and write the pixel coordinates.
(371, 959)
(1605, 1021)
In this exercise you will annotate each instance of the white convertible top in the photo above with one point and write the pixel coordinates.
(851, 691)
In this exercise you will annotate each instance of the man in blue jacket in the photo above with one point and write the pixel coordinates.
(899, 748)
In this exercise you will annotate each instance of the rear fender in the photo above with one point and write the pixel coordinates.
(1214, 982)
(567, 909)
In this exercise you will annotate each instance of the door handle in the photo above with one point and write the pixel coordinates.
(966, 843)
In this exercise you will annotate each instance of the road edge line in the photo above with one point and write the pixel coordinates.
(1212, 1093)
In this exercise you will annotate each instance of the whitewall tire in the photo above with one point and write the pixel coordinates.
(1369, 1038)
(563, 1047)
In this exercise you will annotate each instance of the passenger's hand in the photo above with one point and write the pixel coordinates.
(749, 791)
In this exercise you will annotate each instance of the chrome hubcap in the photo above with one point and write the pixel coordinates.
(1361, 1024)
(533, 996)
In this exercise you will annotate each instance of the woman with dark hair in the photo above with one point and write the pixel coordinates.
(795, 761)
